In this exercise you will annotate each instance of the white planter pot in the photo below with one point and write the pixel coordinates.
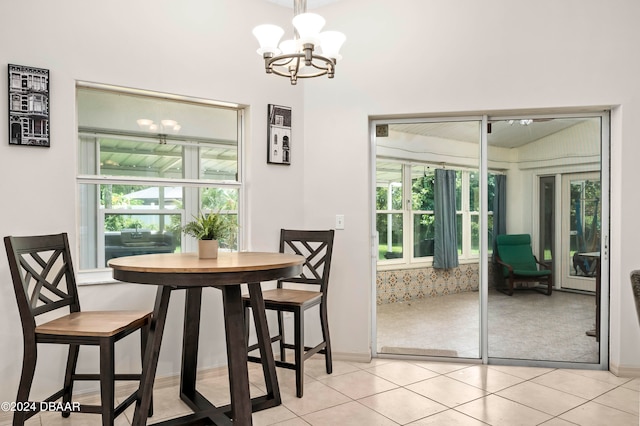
(208, 249)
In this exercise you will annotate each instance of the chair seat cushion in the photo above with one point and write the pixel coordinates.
(95, 323)
(290, 296)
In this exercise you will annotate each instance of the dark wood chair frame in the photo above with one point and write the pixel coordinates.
(317, 248)
(56, 269)
(513, 278)
(635, 287)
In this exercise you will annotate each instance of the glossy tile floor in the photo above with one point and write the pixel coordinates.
(392, 392)
(527, 325)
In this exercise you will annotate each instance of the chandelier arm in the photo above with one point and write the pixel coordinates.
(310, 75)
(271, 61)
(280, 73)
(328, 61)
(274, 63)
(289, 56)
(307, 75)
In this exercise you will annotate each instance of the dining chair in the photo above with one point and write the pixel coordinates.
(290, 295)
(45, 287)
(635, 287)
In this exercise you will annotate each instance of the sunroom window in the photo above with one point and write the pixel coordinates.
(405, 211)
(146, 165)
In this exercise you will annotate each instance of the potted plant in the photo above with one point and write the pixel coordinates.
(209, 229)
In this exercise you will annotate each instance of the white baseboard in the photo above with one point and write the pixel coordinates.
(624, 371)
(351, 356)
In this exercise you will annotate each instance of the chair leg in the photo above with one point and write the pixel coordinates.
(72, 362)
(246, 324)
(299, 350)
(283, 355)
(324, 323)
(26, 379)
(144, 338)
(107, 391)
(510, 290)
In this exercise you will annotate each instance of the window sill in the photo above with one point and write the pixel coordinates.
(96, 276)
(389, 266)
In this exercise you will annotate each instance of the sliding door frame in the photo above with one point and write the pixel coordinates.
(485, 119)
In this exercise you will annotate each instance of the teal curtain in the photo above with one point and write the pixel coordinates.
(445, 254)
(499, 209)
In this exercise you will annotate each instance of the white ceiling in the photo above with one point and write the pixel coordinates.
(503, 133)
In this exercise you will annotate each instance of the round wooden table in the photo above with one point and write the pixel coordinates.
(173, 271)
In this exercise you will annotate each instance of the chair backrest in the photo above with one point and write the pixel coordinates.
(635, 285)
(515, 250)
(43, 276)
(316, 247)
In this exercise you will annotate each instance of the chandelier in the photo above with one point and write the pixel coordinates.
(310, 53)
(165, 127)
(524, 122)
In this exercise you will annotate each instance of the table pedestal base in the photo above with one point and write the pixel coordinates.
(205, 412)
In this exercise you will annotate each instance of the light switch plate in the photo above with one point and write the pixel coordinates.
(339, 221)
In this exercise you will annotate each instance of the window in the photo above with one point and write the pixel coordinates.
(16, 103)
(146, 165)
(16, 81)
(37, 103)
(405, 211)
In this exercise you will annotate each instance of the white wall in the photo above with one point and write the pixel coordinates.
(186, 47)
(424, 57)
(408, 57)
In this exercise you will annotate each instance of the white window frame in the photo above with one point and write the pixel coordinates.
(191, 182)
(408, 215)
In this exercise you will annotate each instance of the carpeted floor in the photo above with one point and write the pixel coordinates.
(527, 325)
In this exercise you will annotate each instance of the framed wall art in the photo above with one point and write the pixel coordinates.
(28, 106)
(279, 135)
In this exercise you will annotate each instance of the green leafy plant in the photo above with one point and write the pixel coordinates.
(210, 226)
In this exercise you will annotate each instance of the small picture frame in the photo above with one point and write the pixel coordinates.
(28, 106)
(279, 135)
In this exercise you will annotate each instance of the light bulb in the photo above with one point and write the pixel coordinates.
(331, 42)
(308, 26)
(268, 36)
(144, 122)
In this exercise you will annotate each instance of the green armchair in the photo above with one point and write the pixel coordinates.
(518, 264)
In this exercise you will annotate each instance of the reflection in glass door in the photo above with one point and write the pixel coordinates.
(536, 154)
(581, 231)
(547, 228)
(426, 187)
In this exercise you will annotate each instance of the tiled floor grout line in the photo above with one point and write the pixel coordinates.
(169, 382)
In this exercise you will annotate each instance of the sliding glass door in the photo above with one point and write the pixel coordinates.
(427, 203)
(552, 167)
(539, 177)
